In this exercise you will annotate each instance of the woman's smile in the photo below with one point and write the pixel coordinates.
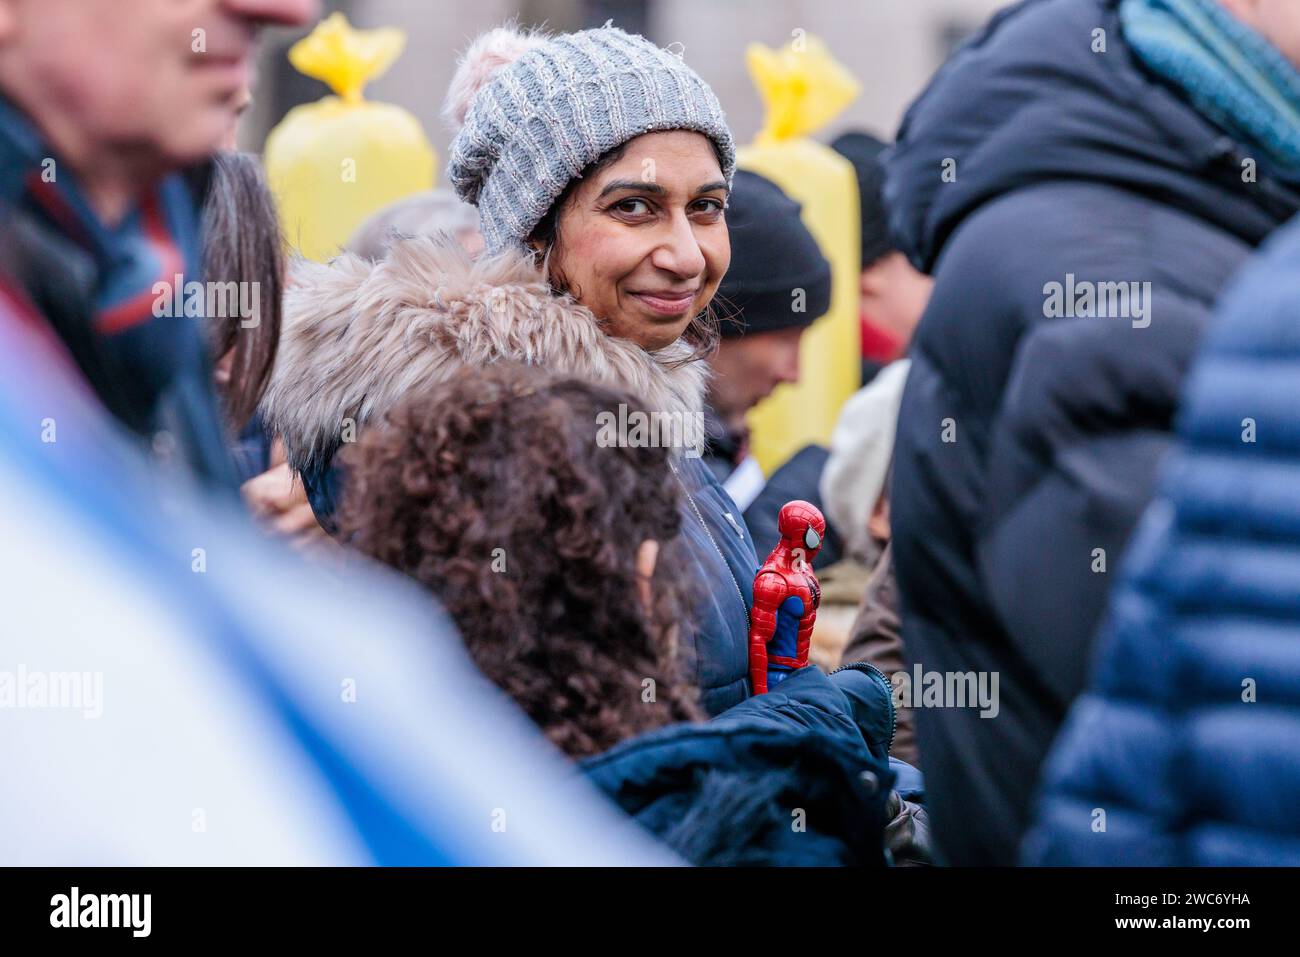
(645, 255)
(667, 302)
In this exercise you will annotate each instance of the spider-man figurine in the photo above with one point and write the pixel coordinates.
(786, 596)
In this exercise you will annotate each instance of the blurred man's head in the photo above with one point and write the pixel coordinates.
(748, 368)
(153, 84)
(778, 284)
(421, 214)
(894, 295)
(1277, 20)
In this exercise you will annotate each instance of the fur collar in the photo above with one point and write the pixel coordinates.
(357, 337)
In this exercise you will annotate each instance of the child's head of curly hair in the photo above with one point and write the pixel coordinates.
(492, 490)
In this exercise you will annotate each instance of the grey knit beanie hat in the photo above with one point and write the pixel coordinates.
(534, 111)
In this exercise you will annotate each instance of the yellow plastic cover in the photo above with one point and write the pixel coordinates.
(804, 88)
(334, 162)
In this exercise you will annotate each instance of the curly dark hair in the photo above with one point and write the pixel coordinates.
(491, 490)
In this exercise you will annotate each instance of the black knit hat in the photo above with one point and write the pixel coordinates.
(772, 256)
(863, 151)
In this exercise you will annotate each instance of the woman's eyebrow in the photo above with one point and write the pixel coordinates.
(641, 186)
(710, 187)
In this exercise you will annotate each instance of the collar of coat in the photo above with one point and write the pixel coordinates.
(358, 337)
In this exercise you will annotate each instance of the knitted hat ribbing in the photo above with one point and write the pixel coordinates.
(536, 111)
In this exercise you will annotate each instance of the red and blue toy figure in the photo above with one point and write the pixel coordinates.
(786, 596)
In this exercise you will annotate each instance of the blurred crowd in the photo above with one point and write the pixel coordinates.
(442, 549)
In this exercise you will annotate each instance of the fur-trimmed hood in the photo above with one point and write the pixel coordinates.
(358, 337)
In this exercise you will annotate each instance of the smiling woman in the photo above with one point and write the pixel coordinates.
(600, 165)
(641, 239)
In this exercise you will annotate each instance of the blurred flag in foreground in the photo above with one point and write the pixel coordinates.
(174, 689)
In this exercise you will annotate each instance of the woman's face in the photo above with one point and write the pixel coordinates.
(643, 243)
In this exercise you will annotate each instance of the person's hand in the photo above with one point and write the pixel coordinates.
(279, 500)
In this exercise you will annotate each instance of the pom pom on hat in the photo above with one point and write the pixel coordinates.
(486, 56)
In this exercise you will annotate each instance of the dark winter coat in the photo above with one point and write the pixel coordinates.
(1028, 444)
(1187, 737)
(876, 637)
(797, 776)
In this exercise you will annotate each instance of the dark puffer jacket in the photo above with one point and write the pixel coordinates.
(1188, 736)
(1028, 445)
(797, 776)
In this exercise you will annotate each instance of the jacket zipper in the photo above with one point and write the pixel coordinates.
(889, 693)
